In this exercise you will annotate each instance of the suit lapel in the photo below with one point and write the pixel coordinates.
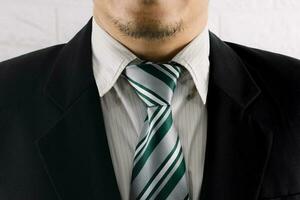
(239, 137)
(75, 151)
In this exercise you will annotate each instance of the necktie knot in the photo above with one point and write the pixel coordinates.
(154, 83)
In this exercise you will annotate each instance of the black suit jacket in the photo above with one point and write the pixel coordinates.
(53, 143)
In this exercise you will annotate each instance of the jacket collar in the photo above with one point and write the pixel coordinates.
(75, 151)
(72, 72)
(230, 74)
(239, 128)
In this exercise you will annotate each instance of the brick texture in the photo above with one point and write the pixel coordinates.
(33, 24)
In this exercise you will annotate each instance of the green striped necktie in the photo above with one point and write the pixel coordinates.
(159, 170)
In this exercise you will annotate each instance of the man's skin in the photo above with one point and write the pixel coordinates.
(154, 30)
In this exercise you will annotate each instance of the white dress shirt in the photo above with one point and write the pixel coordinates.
(124, 111)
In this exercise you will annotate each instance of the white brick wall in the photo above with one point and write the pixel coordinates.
(33, 24)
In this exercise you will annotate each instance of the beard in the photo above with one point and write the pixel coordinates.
(148, 29)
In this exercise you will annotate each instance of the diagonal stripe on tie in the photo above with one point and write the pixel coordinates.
(159, 170)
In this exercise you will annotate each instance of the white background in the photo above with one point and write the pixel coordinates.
(27, 25)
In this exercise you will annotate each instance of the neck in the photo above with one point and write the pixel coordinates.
(157, 50)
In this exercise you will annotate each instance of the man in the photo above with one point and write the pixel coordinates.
(146, 103)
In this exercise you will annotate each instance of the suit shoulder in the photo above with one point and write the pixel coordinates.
(275, 63)
(274, 71)
(24, 75)
(272, 61)
(33, 56)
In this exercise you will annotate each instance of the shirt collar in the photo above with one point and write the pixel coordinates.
(110, 57)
